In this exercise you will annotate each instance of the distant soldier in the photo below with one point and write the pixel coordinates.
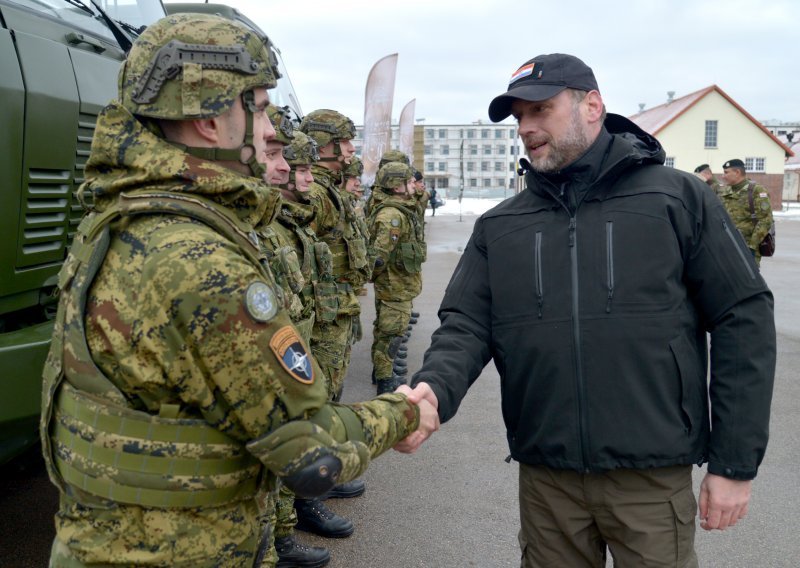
(703, 171)
(176, 388)
(397, 247)
(355, 192)
(336, 223)
(748, 205)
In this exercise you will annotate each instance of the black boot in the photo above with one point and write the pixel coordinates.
(389, 385)
(400, 371)
(347, 490)
(413, 320)
(401, 354)
(373, 377)
(314, 517)
(414, 314)
(291, 554)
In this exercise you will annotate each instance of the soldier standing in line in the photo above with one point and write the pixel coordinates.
(336, 223)
(353, 191)
(397, 247)
(753, 222)
(170, 326)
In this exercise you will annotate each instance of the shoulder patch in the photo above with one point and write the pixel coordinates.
(260, 302)
(395, 222)
(292, 354)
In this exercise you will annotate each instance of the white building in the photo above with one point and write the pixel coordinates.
(483, 155)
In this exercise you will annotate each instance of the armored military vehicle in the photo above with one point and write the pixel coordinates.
(59, 61)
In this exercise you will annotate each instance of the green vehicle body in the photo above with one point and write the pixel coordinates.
(58, 69)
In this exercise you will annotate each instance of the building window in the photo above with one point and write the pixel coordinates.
(512, 166)
(443, 183)
(512, 132)
(500, 148)
(473, 149)
(429, 133)
(513, 150)
(484, 166)
(755, 164)
(430, 166)
(511, 183)
(442, 166)
(711, 134)
(669, 162)
(442, 133)
(498, 166)
(487, 149)
(498, 133)
(427, 150)
(470, 166)
(487, 183)
(473, 182)
(471, 133)
(499, 182)
(485, 133)
(445, 149)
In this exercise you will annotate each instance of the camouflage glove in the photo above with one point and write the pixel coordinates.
(308, 460)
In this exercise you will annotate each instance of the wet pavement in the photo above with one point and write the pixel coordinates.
(453, 504)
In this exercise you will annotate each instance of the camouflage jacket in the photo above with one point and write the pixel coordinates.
(398, 249)
(302, 265)
(335, 222)
(736, 201)
(183, 325)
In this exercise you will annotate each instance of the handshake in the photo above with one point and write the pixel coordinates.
(423, 396)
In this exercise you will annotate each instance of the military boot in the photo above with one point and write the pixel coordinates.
(400, 368)
(414, 314)
(291, 553)
(401, 354)
(413, 320)
(314, 517)
(374, 380)
(389, 385)
(347, 490)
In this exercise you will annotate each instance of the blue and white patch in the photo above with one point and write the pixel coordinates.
(260, 302)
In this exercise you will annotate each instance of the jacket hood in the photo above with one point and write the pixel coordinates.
(127, 156)
(644, 147)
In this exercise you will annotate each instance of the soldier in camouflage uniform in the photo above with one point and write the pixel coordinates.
(355, 192)
(336, 223)
(396, 246)
(735, 196)
(703, 171)
(176, 387)
(295, 256)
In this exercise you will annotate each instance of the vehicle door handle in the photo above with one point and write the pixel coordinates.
(74, 38)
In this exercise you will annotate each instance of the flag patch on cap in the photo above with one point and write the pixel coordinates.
(524, 71)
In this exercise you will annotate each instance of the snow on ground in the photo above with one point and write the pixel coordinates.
(476, 206)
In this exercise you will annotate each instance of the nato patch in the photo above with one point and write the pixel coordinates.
(292, 355)
(260, 302)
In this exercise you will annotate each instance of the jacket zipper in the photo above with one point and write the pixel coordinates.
(610, 263)
(739, 250)
(538, 269)
(576, 335)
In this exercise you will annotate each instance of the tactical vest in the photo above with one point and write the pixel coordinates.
(94, 438)
(410, 252)
(306, 277)
(348, 243)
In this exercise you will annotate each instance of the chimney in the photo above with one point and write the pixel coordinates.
(641, 107)
(670, 96)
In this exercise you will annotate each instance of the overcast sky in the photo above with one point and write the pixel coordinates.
(456, 55)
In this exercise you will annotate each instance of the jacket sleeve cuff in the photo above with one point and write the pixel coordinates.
(732, 472)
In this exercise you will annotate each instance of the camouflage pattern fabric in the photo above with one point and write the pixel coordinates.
(736, 202)
(326, 126)
(395, 245)
(170, 320)
(335, 223)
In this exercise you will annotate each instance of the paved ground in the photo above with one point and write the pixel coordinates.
(453, 504)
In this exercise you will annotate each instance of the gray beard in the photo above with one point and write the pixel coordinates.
(564, 151)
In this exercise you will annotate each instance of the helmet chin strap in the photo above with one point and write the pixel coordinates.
(235, 154)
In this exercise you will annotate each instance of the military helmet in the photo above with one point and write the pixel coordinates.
(326, 126)
(302, 151)
(392, 175)
(284, 127)
(192, 66)
(354, 169)
(394, 156)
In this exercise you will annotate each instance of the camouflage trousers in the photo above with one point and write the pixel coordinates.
(388, 329)
(331, 344)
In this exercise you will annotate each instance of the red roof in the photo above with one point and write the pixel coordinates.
(656, 119)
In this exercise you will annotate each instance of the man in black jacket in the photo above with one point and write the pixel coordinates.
(593, 291)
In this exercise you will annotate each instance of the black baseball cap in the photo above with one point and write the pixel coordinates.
(733, 164)
(701, 168)
(541, 78)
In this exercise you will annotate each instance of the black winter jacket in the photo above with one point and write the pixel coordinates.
(593, 291)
